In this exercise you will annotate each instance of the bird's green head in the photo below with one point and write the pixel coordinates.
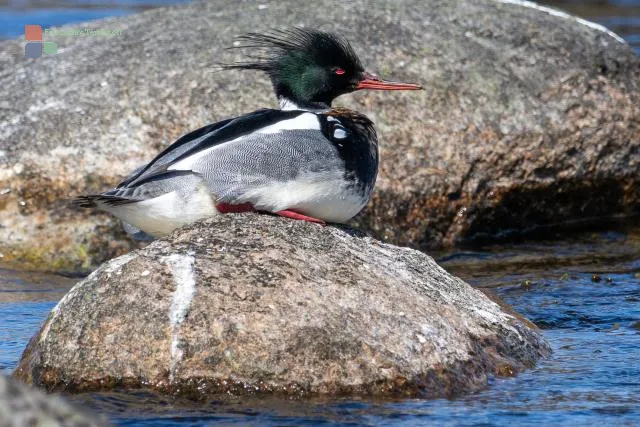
(309, 68)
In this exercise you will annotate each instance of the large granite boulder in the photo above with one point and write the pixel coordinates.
(22, 406)
(260, 304)
(529, 118)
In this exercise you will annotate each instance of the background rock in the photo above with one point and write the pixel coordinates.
(528, 119)
(21, 406)
(259, 304)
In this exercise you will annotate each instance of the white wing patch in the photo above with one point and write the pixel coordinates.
(339, 132)
(305, 121)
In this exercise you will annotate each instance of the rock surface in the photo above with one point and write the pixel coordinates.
(528, 118)
(259, 304)
(21, 406)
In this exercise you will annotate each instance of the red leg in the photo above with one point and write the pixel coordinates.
(295, 215)
(231, 208)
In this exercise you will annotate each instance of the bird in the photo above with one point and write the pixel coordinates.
(304, 160)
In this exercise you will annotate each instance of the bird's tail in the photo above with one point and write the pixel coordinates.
(91, 201)
(84, 202)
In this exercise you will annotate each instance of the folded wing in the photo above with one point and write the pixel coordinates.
(254, 158)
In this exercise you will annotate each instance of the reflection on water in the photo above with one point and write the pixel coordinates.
(17, 286)
(603, 252)
(583, 292)
(25, 300)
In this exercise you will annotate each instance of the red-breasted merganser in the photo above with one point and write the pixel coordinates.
(305, 160)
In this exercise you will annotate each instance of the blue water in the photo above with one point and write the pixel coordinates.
(25, 300)
(15, 14)
(19, 320)
(583, 293)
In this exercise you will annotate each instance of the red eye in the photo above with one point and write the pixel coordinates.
(339, 71)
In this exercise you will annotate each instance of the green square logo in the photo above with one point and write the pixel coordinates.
(50, 48)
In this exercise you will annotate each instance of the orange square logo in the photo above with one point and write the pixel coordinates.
(33, 33)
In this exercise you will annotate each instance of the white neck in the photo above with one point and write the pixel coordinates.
(287, 105)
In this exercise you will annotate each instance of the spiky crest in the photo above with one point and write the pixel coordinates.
(299, 62)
